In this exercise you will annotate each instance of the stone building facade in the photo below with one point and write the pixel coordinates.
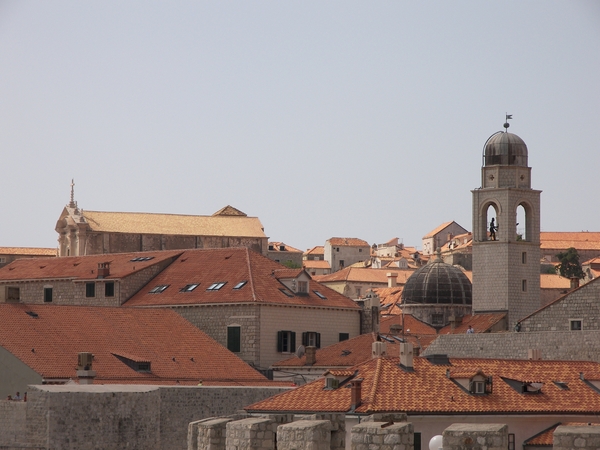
(94, 232)
(343, 252)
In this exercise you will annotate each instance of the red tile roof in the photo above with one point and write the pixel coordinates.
(348, 242)
(286, 248)
(584, 240)
(481, 323)
(28, 251)
(438, 229)
(314, 264)
(231, 266)
(427, 390)
(412, 325)
(49, 338)
(316, 250)
(352, 351)
(82, 267)
(366, 275)
(546, 437)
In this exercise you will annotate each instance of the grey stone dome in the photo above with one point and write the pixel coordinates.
(437, 283)
(505, 149)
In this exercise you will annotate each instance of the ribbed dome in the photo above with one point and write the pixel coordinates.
(438, 283)
(505, 149)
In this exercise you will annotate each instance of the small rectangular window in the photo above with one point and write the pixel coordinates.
(524, 285)
(240, 285)
(13, 294)
(511, 441)
(189, 287)
(90, 289)
(216, 286)
(109, 289)
(311, 339)
(286, 341)
(344, 336)
(2, 260)
(576, 324)
(524, 257)
(321, 296)
(341, 263)
(437, 319)
(159, 289)
(48, 294)
(303, 287)
(358, 291)
(234, 341)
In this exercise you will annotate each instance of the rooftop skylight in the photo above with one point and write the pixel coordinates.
(216, 286)
(159, 289)
(142, 258)
(321, 296)
(189, 287)
(240, 285)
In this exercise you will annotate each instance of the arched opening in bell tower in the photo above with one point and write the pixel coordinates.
(521, 225)
(491, 222)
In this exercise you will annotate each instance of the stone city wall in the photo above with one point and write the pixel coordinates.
(576, 437)
(114, 417)
(561, 345)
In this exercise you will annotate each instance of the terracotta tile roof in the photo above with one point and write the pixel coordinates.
(348, 242)
(150, 223)
(427, 390)
(546, 437)
(481, 323)
(28, 251)
(436, 230)
(312, 264)
(584, 240)
(550, 281)
(229, 211)
(349, 353)
(389, 297)
(82, 267)
(178, 351)
(287, 248)
(231, 266)
(412, 325)
(317, 250)
(366, 275)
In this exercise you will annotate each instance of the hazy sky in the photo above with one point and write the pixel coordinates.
(349, 119)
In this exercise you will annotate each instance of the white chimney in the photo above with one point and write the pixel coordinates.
(406, 355)
(392, 279)
(534, 353)
(377, 349)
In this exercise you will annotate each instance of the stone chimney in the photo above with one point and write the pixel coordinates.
(378, 349)
(103, 270)
(311, 355)
(85, 374)
(574, 282)
(355, 393)
(406, 355)
(534, 354)
(392, 279)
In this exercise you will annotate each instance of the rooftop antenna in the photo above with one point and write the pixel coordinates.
(72, 203)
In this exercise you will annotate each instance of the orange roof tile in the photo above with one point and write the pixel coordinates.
(427, 390)
(231, 266)
(546, 437)
(350, 352)
(480, 323)
(313, 264)
(28, 251)
(348, 242)
(48, 338)
(367, 275)
(584, 240)
(437, 229)
(412, 325)
(286, 248)
(151, 223)
(82, 267)
(551, 281)
(317, 250)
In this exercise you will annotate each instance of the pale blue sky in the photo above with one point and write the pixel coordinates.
(350, 119)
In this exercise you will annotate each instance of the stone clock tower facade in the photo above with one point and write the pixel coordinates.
(506, 262)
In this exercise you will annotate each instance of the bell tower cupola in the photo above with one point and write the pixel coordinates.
(506, 231)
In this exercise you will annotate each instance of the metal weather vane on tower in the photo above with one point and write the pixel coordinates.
(506, 124)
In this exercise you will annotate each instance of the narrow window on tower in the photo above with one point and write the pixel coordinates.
(524, 285)
(524, 257)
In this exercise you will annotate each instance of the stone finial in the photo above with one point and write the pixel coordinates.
(72, 202)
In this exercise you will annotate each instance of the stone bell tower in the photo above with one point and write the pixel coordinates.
(506, 257)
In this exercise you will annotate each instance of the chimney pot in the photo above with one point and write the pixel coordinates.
(406, 355)
(355, 393)
(392, 279)
(311, 355)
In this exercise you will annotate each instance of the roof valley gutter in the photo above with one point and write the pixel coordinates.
(250, 277)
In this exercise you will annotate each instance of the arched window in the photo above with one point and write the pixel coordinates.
(491, 222)
(521, 225)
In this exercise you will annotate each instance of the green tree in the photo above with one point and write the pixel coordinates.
(291, 264)
(569, 266)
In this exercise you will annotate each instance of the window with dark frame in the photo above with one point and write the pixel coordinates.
(575, 324)
(524, 257)
(511, 441)
(286, 341)
(234, 339)
(47, 294)
(189, 287)
(343, 337)
(311, 339)
(437, 319)
(524, 285)
(109, 289)
(90, 289)
(303, 287)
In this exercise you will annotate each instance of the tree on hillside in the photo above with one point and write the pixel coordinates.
(569, 266)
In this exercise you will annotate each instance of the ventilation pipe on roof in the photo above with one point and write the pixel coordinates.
(355, 393)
